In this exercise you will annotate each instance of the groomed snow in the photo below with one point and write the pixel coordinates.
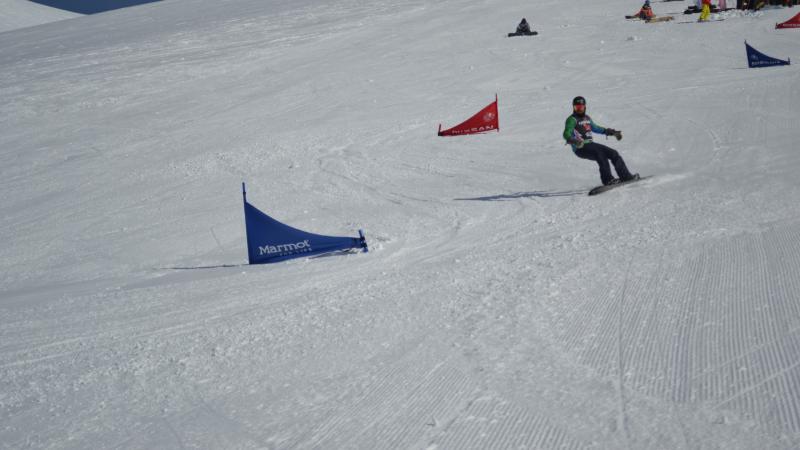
(499, 306)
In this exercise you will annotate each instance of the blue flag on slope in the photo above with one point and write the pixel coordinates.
(270, 241)
(757, 59)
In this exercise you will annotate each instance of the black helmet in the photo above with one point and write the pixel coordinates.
(578, 101)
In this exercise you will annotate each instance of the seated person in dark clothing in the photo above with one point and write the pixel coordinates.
(523, 27)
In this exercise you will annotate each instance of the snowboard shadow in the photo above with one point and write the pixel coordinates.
(540, 194)
(222, 266)
(219, 266)
(347, 251)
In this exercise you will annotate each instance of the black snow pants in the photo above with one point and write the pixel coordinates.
(602, 154)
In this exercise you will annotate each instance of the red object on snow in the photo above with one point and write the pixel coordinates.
(485, 120)
(794, 22)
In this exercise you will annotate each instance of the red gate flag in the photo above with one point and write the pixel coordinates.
(794, 22)
(486, 120)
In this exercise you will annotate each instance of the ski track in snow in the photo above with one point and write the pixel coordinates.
(499, 306)
(731, 307)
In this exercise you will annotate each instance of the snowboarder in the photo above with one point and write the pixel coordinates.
(523, 27)
(646, 12)
(578, 133)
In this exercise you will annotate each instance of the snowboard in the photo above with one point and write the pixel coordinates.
(604, 188)
(654, 19)
(528, 33)
(703, 21)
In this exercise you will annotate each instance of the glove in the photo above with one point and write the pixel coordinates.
(612, 132)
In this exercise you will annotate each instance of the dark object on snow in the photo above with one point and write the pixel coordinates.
(695, 10)
(608, 187)
(523, 29)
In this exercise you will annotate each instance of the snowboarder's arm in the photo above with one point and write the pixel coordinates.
(569, 129)
(597, 128)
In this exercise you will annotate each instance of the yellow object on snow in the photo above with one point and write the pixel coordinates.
(705, 12)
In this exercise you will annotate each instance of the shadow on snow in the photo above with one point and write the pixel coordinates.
(222, 266)
(218, 266)
(503, 197)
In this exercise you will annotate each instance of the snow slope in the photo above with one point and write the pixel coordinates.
(499, 307)
(15, 14)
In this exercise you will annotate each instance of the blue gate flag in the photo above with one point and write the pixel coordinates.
(270, 241)
(757, 59)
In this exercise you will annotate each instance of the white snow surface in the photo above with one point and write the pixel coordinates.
(16, 14)
(499, 306)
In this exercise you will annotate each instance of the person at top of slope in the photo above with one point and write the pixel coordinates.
(523, 27)
(646, 12)
(578, 133)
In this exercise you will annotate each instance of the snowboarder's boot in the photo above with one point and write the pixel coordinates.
(633, 177)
